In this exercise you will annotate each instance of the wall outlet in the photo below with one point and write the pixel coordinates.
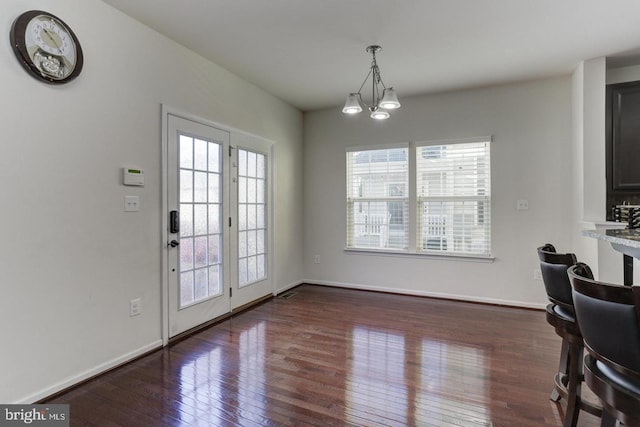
(131, 203)
(316, 259)
(135, 307)
(522, 205)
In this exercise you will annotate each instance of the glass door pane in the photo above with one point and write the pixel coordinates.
(200, 219)
(252, 217)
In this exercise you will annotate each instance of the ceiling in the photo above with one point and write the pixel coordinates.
(312, 54)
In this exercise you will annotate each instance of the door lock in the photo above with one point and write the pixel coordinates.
(174, 222)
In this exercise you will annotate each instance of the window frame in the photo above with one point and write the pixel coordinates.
(412, 249)
(387, 198)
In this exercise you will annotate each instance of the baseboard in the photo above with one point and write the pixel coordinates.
(289, 286)
(83, 376)
(439, 295)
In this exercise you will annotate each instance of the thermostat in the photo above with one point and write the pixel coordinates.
(131, 176)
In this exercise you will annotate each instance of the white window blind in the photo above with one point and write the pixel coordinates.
(377, 198)
(453, 188)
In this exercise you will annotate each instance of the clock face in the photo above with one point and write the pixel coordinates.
(46, 46)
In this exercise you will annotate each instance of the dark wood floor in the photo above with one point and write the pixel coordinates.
(337, 357)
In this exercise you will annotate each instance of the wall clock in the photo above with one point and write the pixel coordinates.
(46, 47)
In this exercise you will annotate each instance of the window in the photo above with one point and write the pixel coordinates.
(451, 193)
(377, 198)
(453, 198)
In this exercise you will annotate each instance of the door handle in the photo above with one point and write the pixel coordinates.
(174, 243)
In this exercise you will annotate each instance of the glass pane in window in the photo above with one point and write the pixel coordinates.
(186, 186)
(260, 216)
(214, 157)
(242, 217)
(186, 288)
(214, 250)
(262, 169)
(200, 157)
(252, 242)
(214, 188)
(242, 162)
(260, 241)
(260, 191)
(260, 264)
(201, 284)
(242, 190)
(251, 216)
(251, 164)
(214, 219)
(186, 152)
(242, 244)
(200, 219)
(215, 284)
(251, 269)
(186, 254)
(186, 220)
(242, 271)
(200, 187)
(200, 252)
(251, 191)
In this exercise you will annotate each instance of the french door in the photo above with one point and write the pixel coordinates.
(216, 226)
(250, 201)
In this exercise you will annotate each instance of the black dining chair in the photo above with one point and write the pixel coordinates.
(561, 315)
(609, 318)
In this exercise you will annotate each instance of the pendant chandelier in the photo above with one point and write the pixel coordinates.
(382, 98)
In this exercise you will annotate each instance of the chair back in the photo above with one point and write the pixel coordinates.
(609, 316)
(554, 275)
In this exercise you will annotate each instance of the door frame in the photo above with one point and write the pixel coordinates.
(164, 222)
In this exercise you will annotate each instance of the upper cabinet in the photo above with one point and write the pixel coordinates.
(623, 137)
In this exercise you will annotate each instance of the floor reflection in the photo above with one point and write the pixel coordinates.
(251, 373)
(376, 385)
(210, 395)
(452, 384)
(199, 380)
(399, 380)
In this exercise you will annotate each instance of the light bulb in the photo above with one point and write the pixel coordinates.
(352, 106)
(379, 114)
(389, 99)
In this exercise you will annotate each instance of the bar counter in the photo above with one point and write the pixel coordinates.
(622, 240)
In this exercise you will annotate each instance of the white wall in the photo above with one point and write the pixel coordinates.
(531, 159)
(71, 258)
(589, 180)
(594, 171)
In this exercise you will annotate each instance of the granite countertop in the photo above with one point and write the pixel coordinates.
(619, 236)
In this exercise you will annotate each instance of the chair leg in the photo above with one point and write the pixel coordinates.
(563, 368)
(608, 420)
(574, 387)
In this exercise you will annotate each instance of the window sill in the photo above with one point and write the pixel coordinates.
(421, 255)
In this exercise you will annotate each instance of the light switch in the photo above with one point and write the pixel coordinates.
(522, 205)
(131, 203)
